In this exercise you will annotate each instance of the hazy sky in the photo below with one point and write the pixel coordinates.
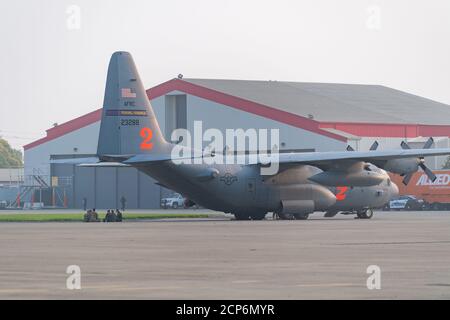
(54, 62)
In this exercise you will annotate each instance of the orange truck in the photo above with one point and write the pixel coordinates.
(436, 195)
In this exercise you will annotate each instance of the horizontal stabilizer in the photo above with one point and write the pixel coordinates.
(74, 160)
(148, 158)
(104, 164)
(161, 185)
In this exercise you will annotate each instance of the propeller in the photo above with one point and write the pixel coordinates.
(427, 170)
(374, 146)
(404, 145)
(422, 165)
(429, 143)
(407, 178)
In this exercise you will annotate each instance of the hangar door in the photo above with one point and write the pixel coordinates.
(128, 187)
(104, 187)
(176, 114)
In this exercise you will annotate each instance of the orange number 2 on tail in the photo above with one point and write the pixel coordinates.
(146, 134)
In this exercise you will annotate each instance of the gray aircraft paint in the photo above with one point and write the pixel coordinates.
(234, 188)
(115, 138)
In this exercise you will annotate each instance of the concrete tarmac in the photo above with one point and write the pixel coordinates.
(219, 259)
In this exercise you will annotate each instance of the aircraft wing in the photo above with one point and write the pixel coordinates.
(311, 158)
(351, 161)
(318, 158)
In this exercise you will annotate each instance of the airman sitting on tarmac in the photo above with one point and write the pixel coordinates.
(110, 216)
(118, 216)
(91, 216)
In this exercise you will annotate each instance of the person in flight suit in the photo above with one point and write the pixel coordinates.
(84, 203)
(123, 202)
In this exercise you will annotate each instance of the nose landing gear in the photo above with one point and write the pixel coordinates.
(364, 214)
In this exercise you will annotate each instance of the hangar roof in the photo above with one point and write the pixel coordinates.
(339, 111)
(335, 102)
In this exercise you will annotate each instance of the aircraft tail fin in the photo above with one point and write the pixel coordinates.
(128, 125)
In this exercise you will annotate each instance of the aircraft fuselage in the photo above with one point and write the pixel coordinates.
(241, 188)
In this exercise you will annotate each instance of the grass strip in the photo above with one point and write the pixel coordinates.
(74, 217)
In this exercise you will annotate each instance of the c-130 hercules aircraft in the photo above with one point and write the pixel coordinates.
(130, 136)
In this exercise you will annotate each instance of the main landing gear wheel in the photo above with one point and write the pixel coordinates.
(330, 214)
(282, 216)
(242, 216)
(365, 214)
(252, 216)
(258, 216)
(301, 216)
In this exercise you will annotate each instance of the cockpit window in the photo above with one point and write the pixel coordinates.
(388, 182)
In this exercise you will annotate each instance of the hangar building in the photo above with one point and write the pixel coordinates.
(309, 116)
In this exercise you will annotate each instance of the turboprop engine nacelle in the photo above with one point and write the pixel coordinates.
(362, 178)
(402, 166)
(305, 198)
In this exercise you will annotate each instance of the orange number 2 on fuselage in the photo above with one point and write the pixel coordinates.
(340, 195)
(146, 134)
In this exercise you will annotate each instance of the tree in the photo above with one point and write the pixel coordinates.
(9, 157)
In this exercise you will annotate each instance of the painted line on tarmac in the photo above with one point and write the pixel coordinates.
(392, 243)
(128, 288)
(326, 285)
(245, 281)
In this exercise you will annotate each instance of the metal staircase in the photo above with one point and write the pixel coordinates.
(23, 193)
(41, 182)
